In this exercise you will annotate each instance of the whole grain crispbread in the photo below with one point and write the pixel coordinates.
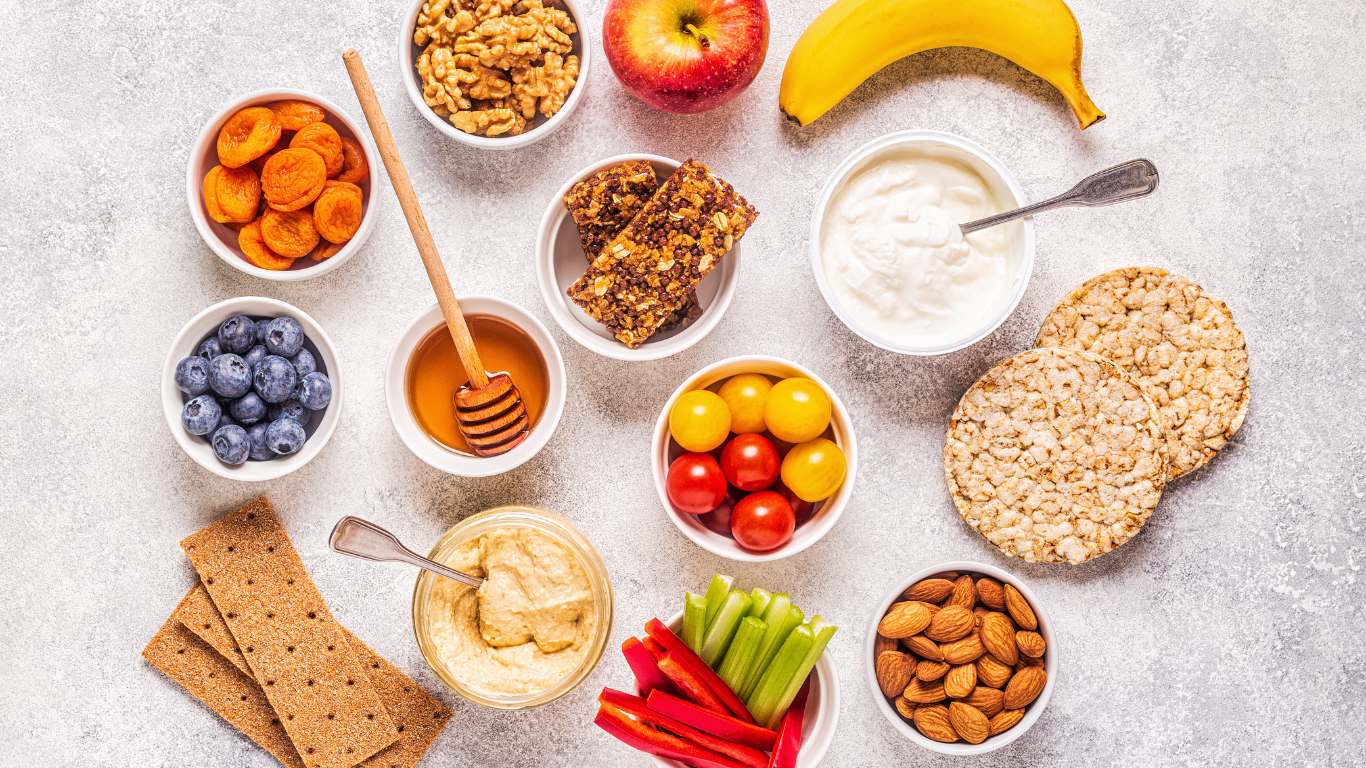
(1181, 345)
(1055, 456)
(199, 615)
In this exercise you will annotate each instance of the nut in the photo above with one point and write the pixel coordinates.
(894, 670)
(934, 723)
(922, 692)
(1006, 720)
(1031, 643)
(969, 723)
(964, 593)
(1025, 687)
(962, 651)
(998, 635)
(905, 619)
(929, 590)
(992, 671)
(923, 647)
(952, 623)
(989, 700)
(882, 644)
(930, 671)
(905, 708)
(960, 681)
(1019, 609)
(991, 593)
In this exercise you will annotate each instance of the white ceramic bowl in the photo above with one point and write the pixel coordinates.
(560, 261)
(408, 51)
(822, 710)
(999, 181)
(1032, 712)
(427, 449)
(205, 324)
(223, 241)
(824, 518)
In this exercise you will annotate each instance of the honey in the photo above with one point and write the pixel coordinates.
(434, 374)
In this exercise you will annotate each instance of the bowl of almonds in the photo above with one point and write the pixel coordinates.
(961, 658)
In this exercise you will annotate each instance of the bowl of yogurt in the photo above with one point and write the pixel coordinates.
(888, 253)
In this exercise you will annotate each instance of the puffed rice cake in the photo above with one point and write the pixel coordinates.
(1055, 456)
(1180, 343)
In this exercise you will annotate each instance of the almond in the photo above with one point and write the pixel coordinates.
(929, 590)
(964, 593)
(969, 722)
(993, 672)
(894, 670)
(1005, 721)
(1024, 687)
(923, 647)
(1031, 643)
(905, 708)
(1019, 609)
(931, 670)
(992, 595)
(989, 700)
(946, 576)
(904, 620)
(952, 623)
(998, 635)
(963, 651)
(960, 681)
(922, 692)
(934, 723)
(931, 607)
(883, 644)
(1028, 661)
(980, 612)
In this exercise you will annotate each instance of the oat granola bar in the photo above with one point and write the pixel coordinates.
(647, 272)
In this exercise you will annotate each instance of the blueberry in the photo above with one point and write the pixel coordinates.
(274, 379)
(226, 420)
(256, 433)
(192, 375)
(290, 409)
(248, 409)
(229, 375)
(303, 363)
(261, 326)
(200, 416)
(284, 337)
(230, 444)
(237, 334)
(255, 355)
(285, 436)
(209, 348)
(315, 391)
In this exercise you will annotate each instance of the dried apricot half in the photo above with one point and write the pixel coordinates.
(247, 135)
(257, 252)
(238, 193)
(354, 167)
(289, 233)
(293, 115)
(337, 211)
(325, 250)
(292, 178)
(323, 139)
(211, 196)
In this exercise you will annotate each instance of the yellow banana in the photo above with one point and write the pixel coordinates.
(853, 39)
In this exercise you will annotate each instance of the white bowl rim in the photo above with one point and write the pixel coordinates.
(424, 447)
(413, 86)
(559, 306)
(202, 453)
(1036, 708)
(841, 173)
(194, 185)
(816, 528)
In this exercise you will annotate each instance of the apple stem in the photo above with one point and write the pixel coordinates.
(702, 39)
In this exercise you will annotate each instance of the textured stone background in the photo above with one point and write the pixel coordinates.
(1227, 633)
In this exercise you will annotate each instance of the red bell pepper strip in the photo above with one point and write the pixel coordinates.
(656, 650)
(637, 708)
(790, 732)
(672, 644)
(686, 680)
(646, 739)
(702, 719)
(643, 666)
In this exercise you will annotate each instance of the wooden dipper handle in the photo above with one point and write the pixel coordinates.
(417, 223)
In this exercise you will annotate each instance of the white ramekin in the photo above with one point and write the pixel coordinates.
(427, 449)
(560, 261)
(205, 324)
(223, 241)
(998, 179)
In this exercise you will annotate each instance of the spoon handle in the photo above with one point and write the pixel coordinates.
(361, 538)
(1118, 184)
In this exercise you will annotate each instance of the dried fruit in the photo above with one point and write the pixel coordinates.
(1019, 609)
(293, 178)
(960, 681)
(293, 115)
(325, 250)
(991, 593)
(905, 619)
(1005, 721)
(964, 593)
(952, 623)
(934, 723)
(247, 135)
(289, 233)
(337, 212)
(961, 652)
(992, 671)
(254, 247)
(355, 168)
(998, 635)
(211, 197)
(929, 590)
(894, 670)
(237, 193)
(929, 671)
(1025, 687)
(1031, 643)
(989, 700)
(924, 691)
(323, 139)
(923, 647)
(969, 723)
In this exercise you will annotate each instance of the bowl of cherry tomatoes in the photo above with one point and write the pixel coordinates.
(754, 458)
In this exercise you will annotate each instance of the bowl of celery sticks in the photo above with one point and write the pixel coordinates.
(736, 680)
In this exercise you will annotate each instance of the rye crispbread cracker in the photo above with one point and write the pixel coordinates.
(199, 615)
(293, 645)
(1180, 343)
(1055, 456)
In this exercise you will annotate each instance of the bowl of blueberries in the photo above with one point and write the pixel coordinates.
(251, 388)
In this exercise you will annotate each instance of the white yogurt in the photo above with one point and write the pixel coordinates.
(898, 263)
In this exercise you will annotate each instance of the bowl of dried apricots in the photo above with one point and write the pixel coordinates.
(280, 185)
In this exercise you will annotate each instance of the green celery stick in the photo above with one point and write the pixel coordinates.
(694, 621)
(716, 595)
(742, 650)
(722, 629)
(764, 701)
(822, 631)
(782, 617)
(761, 598)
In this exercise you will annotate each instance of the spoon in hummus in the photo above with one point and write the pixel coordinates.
(362, 538)
(1118, 184)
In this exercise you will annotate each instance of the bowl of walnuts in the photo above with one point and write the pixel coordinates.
(961, 658)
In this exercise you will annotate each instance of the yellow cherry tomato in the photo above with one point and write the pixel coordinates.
(700, 421)
(814, 469)
(797, 410)
(745, 395)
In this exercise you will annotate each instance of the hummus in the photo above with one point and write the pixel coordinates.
(529, 625)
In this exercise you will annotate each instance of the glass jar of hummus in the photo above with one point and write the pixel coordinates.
(537, 627)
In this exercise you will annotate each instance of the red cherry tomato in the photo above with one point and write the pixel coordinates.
(750, 462)
(718, 519)
(762, 521)
(695, 483)
(801, 509)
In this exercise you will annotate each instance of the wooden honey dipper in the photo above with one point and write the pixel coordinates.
(489, 409)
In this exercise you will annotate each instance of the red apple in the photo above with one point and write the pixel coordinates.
(685, 56)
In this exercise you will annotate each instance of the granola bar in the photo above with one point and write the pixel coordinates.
(646, 273)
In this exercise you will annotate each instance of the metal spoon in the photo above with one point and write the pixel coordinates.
(361, 538)
(1123, 182)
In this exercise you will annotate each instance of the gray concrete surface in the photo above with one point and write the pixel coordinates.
(1227, 633)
